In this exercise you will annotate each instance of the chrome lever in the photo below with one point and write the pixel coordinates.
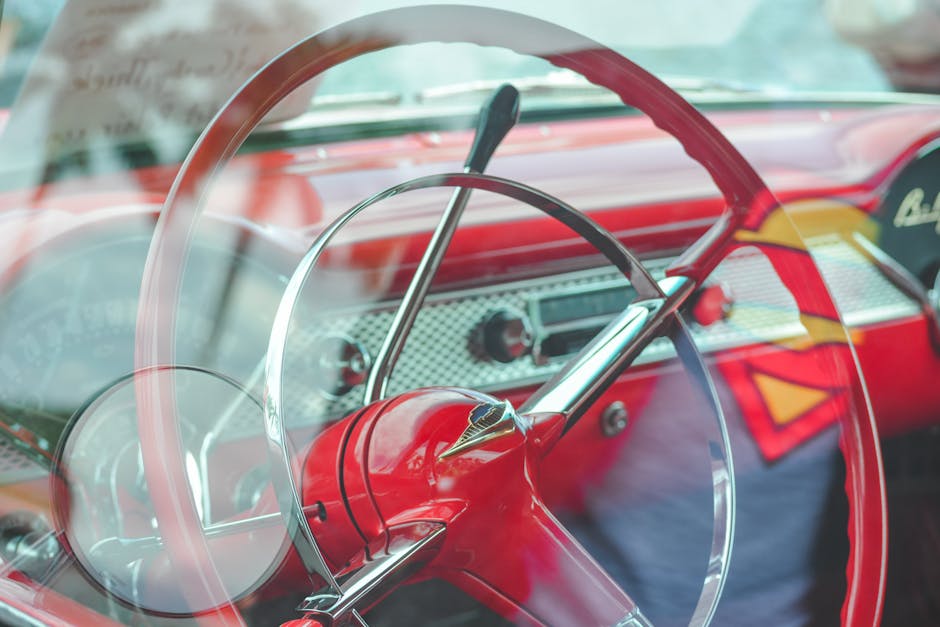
(410, 546)
(498, 115)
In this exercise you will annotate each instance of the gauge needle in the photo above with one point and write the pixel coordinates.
(497, 116)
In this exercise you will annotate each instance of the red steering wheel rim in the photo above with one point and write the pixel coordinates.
(748, 199)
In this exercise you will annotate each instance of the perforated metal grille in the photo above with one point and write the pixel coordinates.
(860, 290)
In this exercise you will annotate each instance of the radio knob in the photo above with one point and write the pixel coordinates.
(339, 363)
(506, 335)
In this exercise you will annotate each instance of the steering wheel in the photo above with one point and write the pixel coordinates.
(420, 540)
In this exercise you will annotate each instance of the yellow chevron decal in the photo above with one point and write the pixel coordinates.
(785, 400)
(821, 330)
(775, 229)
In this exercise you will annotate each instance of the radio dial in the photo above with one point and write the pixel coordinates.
(506, 335)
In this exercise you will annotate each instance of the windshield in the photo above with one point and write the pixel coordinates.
(783, 45)
(771, 45)
(110, 72)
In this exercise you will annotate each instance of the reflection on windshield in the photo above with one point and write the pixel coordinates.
(101, 73)
(742, 43)
(763, 44)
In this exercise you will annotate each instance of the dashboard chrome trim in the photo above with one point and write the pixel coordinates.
(864, 296)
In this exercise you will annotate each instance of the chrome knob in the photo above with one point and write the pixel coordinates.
(340, 363)
(506, 335)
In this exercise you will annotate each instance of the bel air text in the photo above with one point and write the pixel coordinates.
(914, 211)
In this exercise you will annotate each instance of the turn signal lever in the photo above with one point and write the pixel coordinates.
(498, 115)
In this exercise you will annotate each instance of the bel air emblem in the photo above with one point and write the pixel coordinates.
(914, 211)
(488, 421)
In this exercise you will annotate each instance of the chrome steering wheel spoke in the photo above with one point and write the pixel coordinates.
(410, 547)
(586, 375)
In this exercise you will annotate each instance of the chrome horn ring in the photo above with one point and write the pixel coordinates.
(647, 289)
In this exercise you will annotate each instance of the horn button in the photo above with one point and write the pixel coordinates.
(446, 455)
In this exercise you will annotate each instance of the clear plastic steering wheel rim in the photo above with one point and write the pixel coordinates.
(745, 194)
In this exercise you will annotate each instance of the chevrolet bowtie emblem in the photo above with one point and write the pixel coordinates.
(488, 421)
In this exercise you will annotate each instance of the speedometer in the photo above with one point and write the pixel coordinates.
(67, 321)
